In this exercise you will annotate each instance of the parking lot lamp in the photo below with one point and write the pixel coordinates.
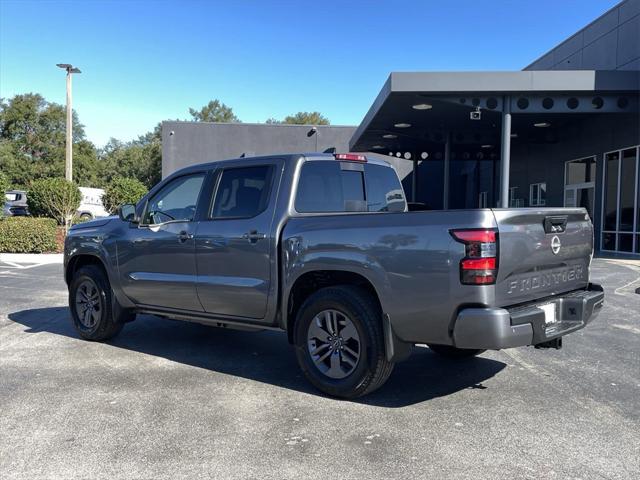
(68, 164)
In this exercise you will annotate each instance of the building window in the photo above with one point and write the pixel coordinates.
(538, 194)
(482, 200)
(621, 201)
(515, 202)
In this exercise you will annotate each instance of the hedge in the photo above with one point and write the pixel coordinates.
(27, 235)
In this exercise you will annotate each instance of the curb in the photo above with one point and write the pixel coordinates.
(32, 258)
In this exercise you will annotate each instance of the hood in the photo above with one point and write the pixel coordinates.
(98, 222)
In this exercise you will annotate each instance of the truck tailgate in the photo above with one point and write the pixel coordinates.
(541, 252)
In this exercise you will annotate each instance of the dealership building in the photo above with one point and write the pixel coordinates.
(564, 131)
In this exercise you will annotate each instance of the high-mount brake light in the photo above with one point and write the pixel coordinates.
(351, 157)
(480, 264)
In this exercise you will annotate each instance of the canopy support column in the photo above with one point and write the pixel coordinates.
(447, 159)
(414, 180)
(506, 153)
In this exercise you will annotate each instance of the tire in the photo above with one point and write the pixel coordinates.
(455, 353)
(91, 285)
(86, 217)
(355, 314)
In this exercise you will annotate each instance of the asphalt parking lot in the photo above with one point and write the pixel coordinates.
(167, 399)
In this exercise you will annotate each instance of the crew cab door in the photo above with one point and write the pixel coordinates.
(156, 259)
(235, 243)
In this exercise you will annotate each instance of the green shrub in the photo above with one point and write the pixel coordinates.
(121, 191)
(27, 235)
(54, 198)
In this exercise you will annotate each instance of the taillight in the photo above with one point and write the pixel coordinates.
(352, 157)
(480, 264)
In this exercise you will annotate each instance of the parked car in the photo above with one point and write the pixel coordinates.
(15, 204)
(323, 247)
(91, 204)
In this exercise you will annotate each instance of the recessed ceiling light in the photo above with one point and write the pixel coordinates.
(514, 135)
(377, 147)
(402, 125)
(486, 146)
(422, 106)
(542, 124)
(389, 135)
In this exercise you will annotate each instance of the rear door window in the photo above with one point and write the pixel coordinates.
(242, 192)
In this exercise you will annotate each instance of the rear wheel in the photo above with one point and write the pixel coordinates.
(91, 308)
(452, 352)
(339, 342)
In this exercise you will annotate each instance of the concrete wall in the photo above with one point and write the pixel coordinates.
(189, 143)
(593, 136)
(611, 42)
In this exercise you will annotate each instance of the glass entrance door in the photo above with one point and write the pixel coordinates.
(579, 183)
(579, 197)
(621, 200)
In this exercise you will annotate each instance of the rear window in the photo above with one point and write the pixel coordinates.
(384, 191)
(325, 186)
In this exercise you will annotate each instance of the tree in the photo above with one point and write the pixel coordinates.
(140, 159)
(4, 184)
(32, 140)
(55, 198)
(214, 111)
(121, 191)
(304, 118)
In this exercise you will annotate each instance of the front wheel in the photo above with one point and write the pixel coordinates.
(339, 342)
(90, 304)
(456, 353)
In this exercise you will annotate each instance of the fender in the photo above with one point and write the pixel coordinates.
(94, 246)
(352, 261)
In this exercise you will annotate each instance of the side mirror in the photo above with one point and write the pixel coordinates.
(127, 213)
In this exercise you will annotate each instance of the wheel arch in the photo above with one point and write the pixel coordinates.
(311, 281)
(81, 260)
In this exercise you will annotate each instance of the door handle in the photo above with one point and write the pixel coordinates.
(253, 236)
(183, 236)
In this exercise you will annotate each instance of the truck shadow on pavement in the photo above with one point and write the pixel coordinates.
(267, 357)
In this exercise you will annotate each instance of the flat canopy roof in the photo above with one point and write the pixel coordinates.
(411, 104)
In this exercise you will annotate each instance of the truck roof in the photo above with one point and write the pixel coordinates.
(309, 156)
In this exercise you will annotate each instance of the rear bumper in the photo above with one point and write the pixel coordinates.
(498, 328)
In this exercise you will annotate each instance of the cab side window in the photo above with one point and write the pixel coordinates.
(242, 192)
(176, 201)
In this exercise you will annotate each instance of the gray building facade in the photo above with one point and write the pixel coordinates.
(565, 131)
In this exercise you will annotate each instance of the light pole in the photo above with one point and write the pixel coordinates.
(68, 159)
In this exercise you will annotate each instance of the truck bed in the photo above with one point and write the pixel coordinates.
(413, 261)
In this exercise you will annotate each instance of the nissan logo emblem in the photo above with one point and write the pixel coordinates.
(555, 244)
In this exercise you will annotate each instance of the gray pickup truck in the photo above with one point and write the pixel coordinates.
(324, 247)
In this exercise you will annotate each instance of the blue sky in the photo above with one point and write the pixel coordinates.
(145, 61)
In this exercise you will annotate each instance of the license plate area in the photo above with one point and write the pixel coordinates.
(550, 313)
